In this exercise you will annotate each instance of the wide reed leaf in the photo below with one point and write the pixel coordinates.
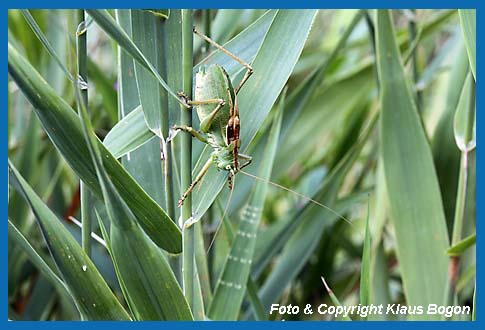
(45, 267)
(64, 129)
(115, 31)
(92, 295)
(412, 185)
(231, 286)
(141, 266)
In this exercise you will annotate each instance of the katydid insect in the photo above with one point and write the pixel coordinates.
(217, 109)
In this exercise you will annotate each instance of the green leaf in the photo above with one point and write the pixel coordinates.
(112, 28)
(414, 195)
(311, 221)
(468, 20)
(128, 134)
(365, 276)
(63, 128)
(92, 295)
(45, 42)
(45, 268)
(464, 123)
(141, 265)
(462, 246)
(231, 286)
(272, 66)
(334, 299)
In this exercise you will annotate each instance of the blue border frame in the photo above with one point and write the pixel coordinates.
(225, 4)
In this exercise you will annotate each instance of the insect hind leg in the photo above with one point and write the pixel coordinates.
(249, 68)
(247, 158)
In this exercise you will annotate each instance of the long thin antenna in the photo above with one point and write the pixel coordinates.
(223, 215)
(298, 194)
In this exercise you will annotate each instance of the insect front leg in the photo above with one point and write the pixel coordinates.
(249, 71)
(198, 178)
(195, 133)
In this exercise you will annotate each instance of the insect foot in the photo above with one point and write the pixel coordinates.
(185, 99)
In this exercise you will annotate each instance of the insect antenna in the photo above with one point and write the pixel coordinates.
(223, 214)
(309, 199)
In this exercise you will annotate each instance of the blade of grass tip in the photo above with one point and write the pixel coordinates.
(82, 74)
(186, 163)
(334, 299)
(93, 297)
(365, 276)
(142, 265)
(109, 25)
(230, 288)
(39, 262)
(468, 20)
(45, 42)
(62, 125)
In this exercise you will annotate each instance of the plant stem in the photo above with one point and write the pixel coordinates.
(186, 160)
(82, 80)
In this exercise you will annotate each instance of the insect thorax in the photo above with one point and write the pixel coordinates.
(223, 155)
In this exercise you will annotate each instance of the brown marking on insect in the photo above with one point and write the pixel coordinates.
(232, 131)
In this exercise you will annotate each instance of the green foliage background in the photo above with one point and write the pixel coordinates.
(370, 113)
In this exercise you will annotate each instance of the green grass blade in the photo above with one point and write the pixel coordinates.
(142, 267)
(365, 271)
(112, 28)
(445, 154)
(334, 299)
(63, 128)
(128, 134)
(231, 286)
(272, 66)
(468, 20)
(92, 295)
(38, 261)
(256, 304)
(45, 42)
(414, 195)
(462, 246)
(314, 220)
(274, 238)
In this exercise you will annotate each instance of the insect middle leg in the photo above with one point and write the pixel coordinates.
(198, 178)
(249, 71)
